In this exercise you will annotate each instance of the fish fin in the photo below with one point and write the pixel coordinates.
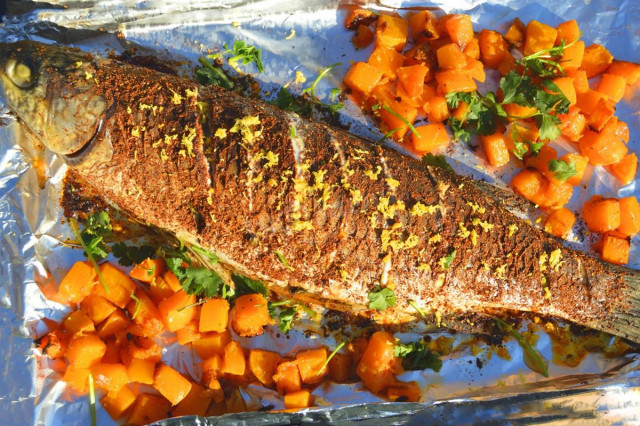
(625, 319)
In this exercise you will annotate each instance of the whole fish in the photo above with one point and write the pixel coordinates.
(309, 209)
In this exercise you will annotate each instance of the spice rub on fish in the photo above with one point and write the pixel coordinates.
(254, 184)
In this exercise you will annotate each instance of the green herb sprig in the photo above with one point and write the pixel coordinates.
(532, 358)
(417, 356)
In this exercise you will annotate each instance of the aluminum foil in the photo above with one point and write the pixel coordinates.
(295, 36)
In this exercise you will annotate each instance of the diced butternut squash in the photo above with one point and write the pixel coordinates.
(493, 48)
(432, 137)
(159, 290)
(472, 50)
(311, 365)
(629, 216)
(110, 377)
(451, 57)
(145, 316)
(558, 194)
(412, 79)
(495, 148)
(436, 109)
(475, 69)
(211, 344)
(539, 37)
(85, 350)
(587, 101)
(519, 112)
(455, 81)
(53, 344)
(386, 61)
(119, 284)
(112, 353)
(142, 370)
(263, 365)
(376, 367)
(391, 32)
(78, 322)
(299, 399)
(517, 136)
(601, 114)
(116, 322)
(613, 86)
(189, 333)
(568, 32)
(250, 315)
(363, 37)
(172, 281)
(565, 84)
(140, 347)
(507, 64)
(148, 409)
(560, 222)
(424, 26)
(97, 308)
(77, 283)
(516, 33)
(341, 367)
(404, 392)
(625, 169)
(233, 361)
(541, 161)
(618, 128)
(171, 384)
(572, 124)
(362, 78)
(148, 270)
(216, 390)
(601, 214)
(615, 250)
(357, 16)
(117, 404)
(287, 377)
(211, 370)
(580, 80)
(627, 70)
(532, 185)
(596, 60)
(77, 379)
(177, 311)
(214, 315)
(580, 163)
(195, 403)
(387, 99)
(602, 148)
(460, 29)
(572, 56)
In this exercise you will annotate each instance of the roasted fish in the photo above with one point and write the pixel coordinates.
(255, 185)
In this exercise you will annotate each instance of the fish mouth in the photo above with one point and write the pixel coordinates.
(77, 156)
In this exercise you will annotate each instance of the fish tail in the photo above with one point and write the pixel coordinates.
(625, 318)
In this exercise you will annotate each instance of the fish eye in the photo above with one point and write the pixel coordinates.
(20, 73)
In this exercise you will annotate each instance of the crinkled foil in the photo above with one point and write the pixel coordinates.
(295, 36)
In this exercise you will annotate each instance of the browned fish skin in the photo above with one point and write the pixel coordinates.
(346, 215)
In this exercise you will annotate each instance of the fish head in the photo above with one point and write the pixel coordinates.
(54, 93)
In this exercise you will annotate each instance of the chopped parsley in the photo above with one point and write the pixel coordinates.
(242, 52)
(332, 95)
(563, 170)
(382, 298)
(212, 75)
(245, 285)
(376, 107)
(93, 233)
(131, 255)
(417, 356)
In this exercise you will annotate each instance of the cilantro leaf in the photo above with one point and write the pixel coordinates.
(97, 226)
(130, 255)
(201, 281)
(563, 170)
(209, 74)
(532, 357)
(247, 54)
(245, 285)
(437, 161)
(517, 89)
(445, 262)
(286, 317)
(548, 125)
(311, 89)
(417, 356)
(459, 132)
(287, 102)
(382, 298)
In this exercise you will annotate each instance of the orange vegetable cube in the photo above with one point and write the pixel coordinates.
(613, 86)
(145, 316)
(495, 148)
(117, 321)
(211, 344)
(386, 61)
(565, 84)
(119, 284)
(539, 37)
(119, 403)
(172, 281)
(493, 48)
(625, 169)
(140, 348)
(433, 137)
(568, 31)
(437, 109)
(573, 124)
(195, 403)
(148, 270)
(596, 60)
(628, 70)
(376, 367)
(507, 64)
(602, 148)
(171, 384)
(142, 370)
(588, 101)
(250, 315)
(618, 128)
(407, 392)
(110, 377)
(311, 365)
(519, 112)
(615, 250)
(216, 391)
(233, 361)
(516, 33)
(541, 161)
(159, 290)
(560, 222)
(532, 185)
(460, 29)
(214, 315)
(77, 379)
(391, 32)
(363, 37)
(558, 194)
(299, 399)
(424, 26)
(85, 350)
(412, 79)
(601, 114)
(473, 49)
(189, 333)
(580, 162)
(517, 134)
(97, 308)
(451, 57)
(357, 16)
(572, 56)
(476, 70)
(601, 214)
(629, 216)
(287, 377)
(580, 80)
(77, 283)
(455, 81)
(54, 344)
(112, 352)
(211, 370)
(176, 311)
(387, 99)
(78, 322)
(341, 367)
(148, 409)
(263, 365)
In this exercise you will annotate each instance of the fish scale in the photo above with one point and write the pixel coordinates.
(347, 215)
